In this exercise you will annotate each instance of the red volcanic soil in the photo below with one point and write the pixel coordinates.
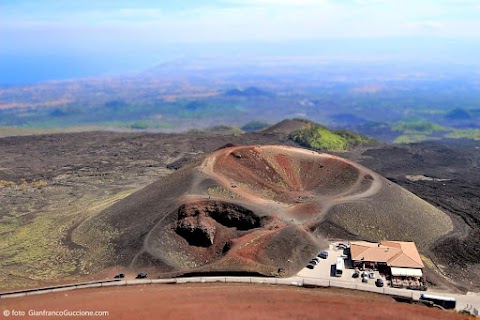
(220, 301)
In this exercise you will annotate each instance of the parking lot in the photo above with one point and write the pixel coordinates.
(325, 269)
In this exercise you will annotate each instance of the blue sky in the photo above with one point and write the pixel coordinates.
(155, 28)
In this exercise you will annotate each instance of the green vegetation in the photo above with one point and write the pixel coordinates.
(45, 245)
(420, 130)
(418, 127)
(97, 238)
(321, 138)
(36, 246)
(473, 134)
(417, 130)
(354, 139)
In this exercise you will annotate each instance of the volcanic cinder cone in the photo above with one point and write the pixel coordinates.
(261, 209)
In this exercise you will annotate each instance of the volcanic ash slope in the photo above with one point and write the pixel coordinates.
(263, 209)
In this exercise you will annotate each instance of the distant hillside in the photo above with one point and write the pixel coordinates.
(458, 114)
(288, 126)
(318, 137)
(254, 126)
(186, 94)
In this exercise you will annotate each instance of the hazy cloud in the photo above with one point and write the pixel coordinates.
(428, 24)
(28, 24)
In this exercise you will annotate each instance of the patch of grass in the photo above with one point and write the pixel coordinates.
(36, 247)
(97, 238)
(8, 224)
(33, 248)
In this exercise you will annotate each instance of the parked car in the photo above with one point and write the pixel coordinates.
(119, 276)
(379, 283)
(371, 275)
(343, 256)
(141, 275)
(310, 266)
(356, 274)
(364, 274)
(323, 255)
(316, 259)
(314, 262)
(364, 279)
(342, 246)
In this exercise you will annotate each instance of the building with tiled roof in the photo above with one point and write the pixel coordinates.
(402, 258)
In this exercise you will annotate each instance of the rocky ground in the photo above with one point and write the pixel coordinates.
(51, 184)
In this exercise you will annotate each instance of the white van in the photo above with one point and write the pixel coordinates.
(339, 267)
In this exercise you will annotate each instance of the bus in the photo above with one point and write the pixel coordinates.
(444, 302)
(339, 267)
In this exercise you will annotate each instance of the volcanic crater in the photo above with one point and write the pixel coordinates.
(263, 209)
